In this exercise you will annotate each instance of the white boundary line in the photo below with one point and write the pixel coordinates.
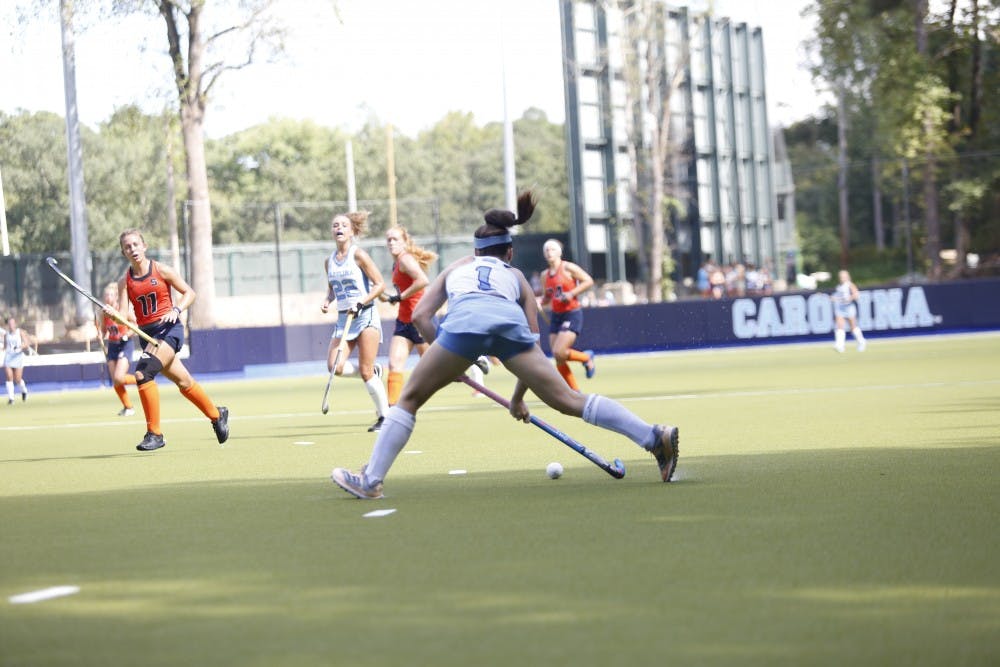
(43, 594)
(791, 391)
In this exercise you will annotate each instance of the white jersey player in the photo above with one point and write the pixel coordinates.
(845, 311)
(492, 311)
(353, 285)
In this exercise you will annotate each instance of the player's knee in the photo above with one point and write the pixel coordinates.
(147, 368)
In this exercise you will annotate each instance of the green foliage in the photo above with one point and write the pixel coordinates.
(871, 267)
(455, 166)
(913, 94)
(818, 244)
(34, 181)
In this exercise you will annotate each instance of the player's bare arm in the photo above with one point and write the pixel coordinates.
(583, 280)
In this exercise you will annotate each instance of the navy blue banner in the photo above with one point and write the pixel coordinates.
(786, 317)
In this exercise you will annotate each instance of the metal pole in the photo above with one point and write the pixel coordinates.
(390, 174)
(509, 172)
(277, 262)
(352, 194)
(77, 209)
(436, 212)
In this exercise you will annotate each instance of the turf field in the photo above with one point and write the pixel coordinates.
(829, 510)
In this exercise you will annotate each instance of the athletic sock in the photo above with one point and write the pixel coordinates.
(24, 387)
(349, 370)
(123, 396)
(612, 415)
(149, 396)
(858, 336)
(10, 390)
(577, 355)
(567, 374)
(377, 391)
(839, 335)
(197, 395)
(395, 386)
(129, 379)
(393, 436)
(475, 374)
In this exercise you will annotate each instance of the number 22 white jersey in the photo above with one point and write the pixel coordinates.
(348, 282)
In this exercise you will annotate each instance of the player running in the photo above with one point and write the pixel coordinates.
(564, 282)
(845, 310)
(492, 311)
(15, 341)
(117, 349)
(145, 288)
(353, 284)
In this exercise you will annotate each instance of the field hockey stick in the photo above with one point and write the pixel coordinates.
(616, 468)
(118, 317)
(336, 361)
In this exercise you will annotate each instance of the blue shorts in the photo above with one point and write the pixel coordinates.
(479, 324)
(368, 318)
(119, 349)
(571, 320)
(172, 334)
(409, 332)
(472, 346)
(848, 311)
(14, 360)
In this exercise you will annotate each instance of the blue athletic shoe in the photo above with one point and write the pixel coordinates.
(356, 484)
(589, 366)
(666, 450)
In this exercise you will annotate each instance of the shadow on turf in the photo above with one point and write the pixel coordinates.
(211, 572)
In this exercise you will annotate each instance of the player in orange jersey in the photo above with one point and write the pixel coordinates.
(146, 287)
(563, 282)
(117, 349)
(410, 263)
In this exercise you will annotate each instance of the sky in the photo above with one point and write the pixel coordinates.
(404, 62)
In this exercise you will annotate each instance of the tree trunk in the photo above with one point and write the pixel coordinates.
(877, 204)
(175, 251)
(655, 286)
(975, 93)
(192, 113)
(202, 265)
(932, 222)
(845, 229)
(955, 123)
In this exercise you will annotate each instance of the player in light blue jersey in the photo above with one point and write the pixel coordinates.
(15, 342)
(492, 311)
(353, 285)
(845, 311)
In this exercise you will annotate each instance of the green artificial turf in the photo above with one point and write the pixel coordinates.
(829, 510)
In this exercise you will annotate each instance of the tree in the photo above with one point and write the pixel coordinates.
(198, 59)
(651, 80)
(34, 171)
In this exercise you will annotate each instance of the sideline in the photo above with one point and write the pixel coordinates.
(318, 368)
(791, 391)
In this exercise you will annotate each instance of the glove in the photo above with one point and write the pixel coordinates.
(356, 309)
(394, 298)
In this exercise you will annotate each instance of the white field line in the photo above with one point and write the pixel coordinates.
(43, 594)
(789, 391)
